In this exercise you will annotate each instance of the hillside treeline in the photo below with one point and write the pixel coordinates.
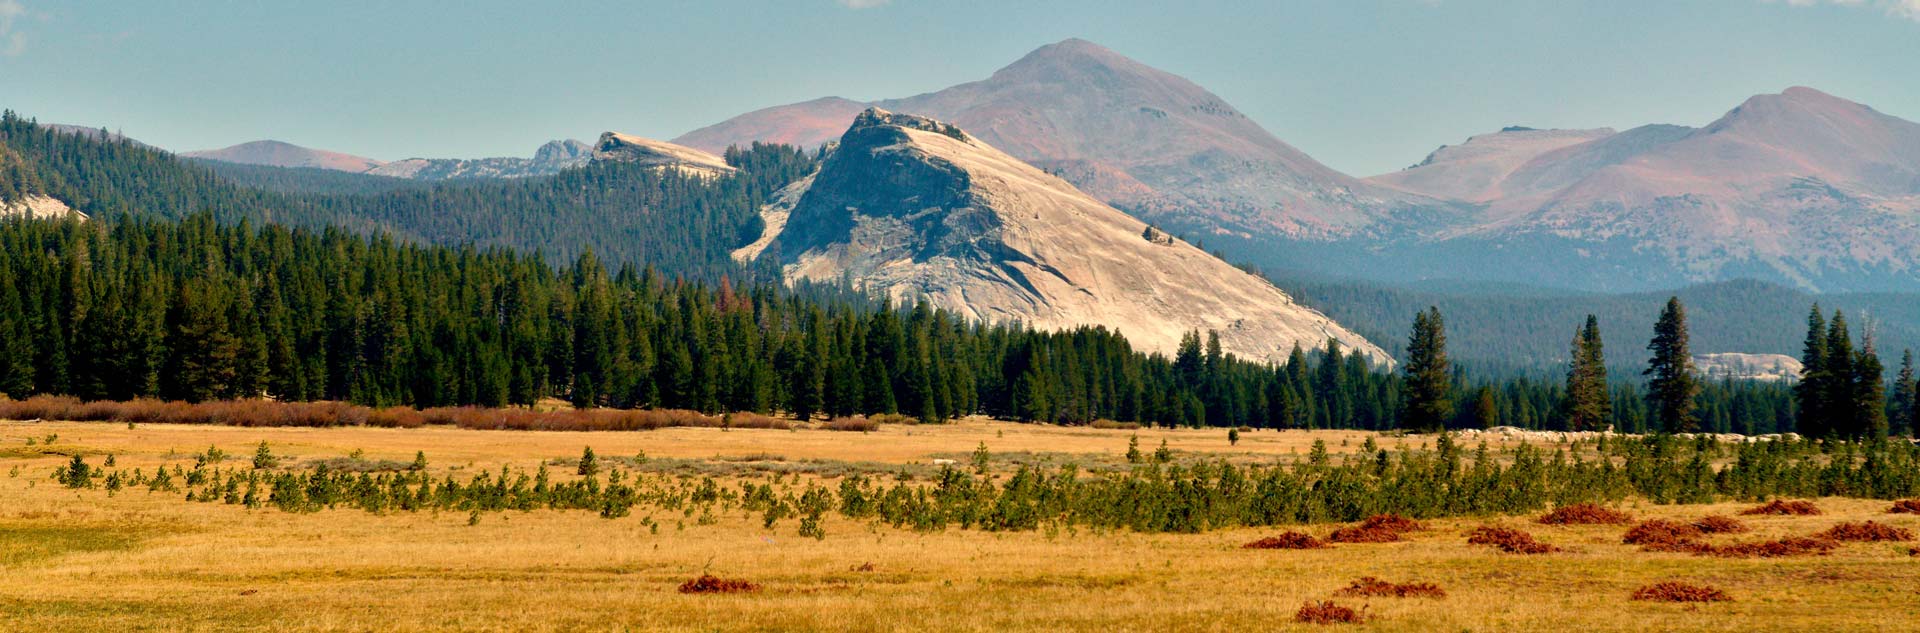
(623, 212)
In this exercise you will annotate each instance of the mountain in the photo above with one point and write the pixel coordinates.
(278, 154)
(1800, 187)
(548, 160)
(913, 208)
(1131, 135)
(805, 125)
(625, 148)
(1474, 171)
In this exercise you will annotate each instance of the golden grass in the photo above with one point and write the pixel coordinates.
(84, 560)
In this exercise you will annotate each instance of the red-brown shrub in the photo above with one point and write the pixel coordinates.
(1287, 540)
(707, 583)
(1392, 522)
(1783, 508)
(853, 423)
(1672, 591)
(1379, 528)
(1370, 587)
(1585, 514)
(1659, 532)
(1790, 546)
(1326, 612)
(1905, 506)
(1717, 524)
(1868, 531)
(1509, 540)
(751, 420)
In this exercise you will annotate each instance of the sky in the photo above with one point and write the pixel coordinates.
(1366, 86)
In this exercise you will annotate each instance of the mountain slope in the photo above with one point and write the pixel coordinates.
(548, 160)
(1475, 171)
(1800, 187)
(805, 125)
(1134, 136)
(278, 154)
(913, 208)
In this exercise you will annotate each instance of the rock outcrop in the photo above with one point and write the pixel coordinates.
(550, 159)
(917, 209)
(614, 146)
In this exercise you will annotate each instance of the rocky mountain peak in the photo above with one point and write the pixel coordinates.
(916, 209)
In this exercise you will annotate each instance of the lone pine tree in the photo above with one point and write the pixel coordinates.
(1672, 385)
(1429, 398)
(1588, 406)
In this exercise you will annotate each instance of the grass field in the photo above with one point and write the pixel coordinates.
(86, 560)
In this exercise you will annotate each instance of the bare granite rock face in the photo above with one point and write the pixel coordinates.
(614, 146)
(36, 206)
(550, 159)
(917, 209)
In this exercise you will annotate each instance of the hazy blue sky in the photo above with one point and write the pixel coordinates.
(1364, 85)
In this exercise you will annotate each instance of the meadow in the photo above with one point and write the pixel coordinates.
(137, 557)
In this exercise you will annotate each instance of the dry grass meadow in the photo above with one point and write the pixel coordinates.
(83, 560)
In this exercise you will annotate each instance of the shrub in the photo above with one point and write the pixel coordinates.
(1868, 531)
(1111, 425)
(1905, 506)
(1717, 524)
(1660, 532)
(851, 423)
(1379, 528)
(1509, 540)
(708, 583)
(1288, 540)
(1783, 508)
(1585, 514)
(1672, 591)
(1790, 546)
(1370, 587)
(1326, 612)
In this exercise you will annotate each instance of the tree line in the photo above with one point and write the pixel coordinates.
(623, 212)
(200, 310)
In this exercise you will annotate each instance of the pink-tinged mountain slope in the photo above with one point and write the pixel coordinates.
(1802, 186)
(1475, 171)
(278, 154)
(804, 125)
(1129, 134)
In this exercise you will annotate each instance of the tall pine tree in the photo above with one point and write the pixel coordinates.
(1428, 398)
(1672, 385)
(1588, 406)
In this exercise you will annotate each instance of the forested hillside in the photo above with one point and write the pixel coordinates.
(307, 180)
(626, 213)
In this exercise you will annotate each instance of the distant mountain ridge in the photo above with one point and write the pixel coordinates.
(1131, 135)
(282, 154)
(1799, 187)
(548, 160)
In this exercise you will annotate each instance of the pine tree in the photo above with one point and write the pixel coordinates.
(1588, 406)
(1869, 390)
(1810, 394)
(1672, 388)
(1839, 397)
(1901, 414)
(1428, 399)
